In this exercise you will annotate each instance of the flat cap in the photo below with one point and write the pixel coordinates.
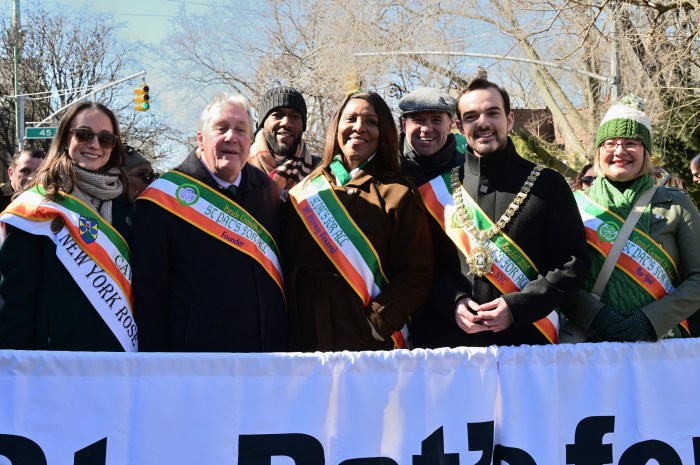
(427, 99)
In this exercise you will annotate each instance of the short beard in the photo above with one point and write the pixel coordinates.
(278, 149)
(503, 143)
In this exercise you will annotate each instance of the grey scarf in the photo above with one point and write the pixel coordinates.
(98, 190)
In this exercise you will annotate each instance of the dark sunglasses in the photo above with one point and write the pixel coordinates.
(104, 138)
(588, 180)
(146, 177)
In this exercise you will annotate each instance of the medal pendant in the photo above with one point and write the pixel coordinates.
(480, 260)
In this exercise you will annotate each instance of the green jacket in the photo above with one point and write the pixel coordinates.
(675, 225)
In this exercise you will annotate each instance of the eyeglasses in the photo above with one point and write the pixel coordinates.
(588, 180)
(146, 177)
(104, 138)
(628, 145)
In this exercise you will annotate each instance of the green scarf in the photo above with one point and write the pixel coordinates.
(621, 292)
(338, 169)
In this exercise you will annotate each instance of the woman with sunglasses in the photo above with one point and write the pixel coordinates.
(584, 178)
(139, 170)
(65, 263)
(654, 284)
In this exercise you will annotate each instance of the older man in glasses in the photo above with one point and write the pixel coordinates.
(207, 275)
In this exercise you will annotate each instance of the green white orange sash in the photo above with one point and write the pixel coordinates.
(642, 258)
(93, 252)
(512, 268)
(343, 242)
(218, 216)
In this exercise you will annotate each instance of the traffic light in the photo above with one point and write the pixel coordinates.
(142, 98)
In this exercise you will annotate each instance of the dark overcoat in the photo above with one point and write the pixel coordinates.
(196, 293)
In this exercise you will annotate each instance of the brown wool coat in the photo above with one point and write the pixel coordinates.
(325, 312)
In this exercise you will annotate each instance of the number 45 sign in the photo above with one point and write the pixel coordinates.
(39, 133)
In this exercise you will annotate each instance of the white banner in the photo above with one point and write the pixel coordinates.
(626, 404)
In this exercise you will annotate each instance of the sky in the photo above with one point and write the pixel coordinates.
(147, 21)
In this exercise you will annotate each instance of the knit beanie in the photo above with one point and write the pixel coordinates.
(282, 96)
(626, 119)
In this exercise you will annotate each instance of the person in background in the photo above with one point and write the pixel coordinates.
(662, 177)
(21, 170)
(429, 151)
(695, 168)
(279, 148)
(519, 237)
(357, 245)
(139, 170)
(655, 285)
(207, 274)
(65, 262)
(584, 178)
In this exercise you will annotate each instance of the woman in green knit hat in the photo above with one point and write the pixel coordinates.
(655, 283)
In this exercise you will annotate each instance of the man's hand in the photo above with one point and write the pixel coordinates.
(494, 315)
(466, 317)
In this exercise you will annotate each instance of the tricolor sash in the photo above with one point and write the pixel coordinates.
(94, 253)
(642, 259)
(343, 242)
(512, 268)
(218, 216)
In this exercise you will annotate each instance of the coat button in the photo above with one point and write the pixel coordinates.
(57, 224)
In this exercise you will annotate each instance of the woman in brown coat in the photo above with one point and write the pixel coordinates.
(357, 247)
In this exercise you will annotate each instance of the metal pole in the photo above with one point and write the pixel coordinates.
(106, 86)
(20, 104)
(15, 49)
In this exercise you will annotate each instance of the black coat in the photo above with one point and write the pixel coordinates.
(44, 308)
(428, 326)
(195, 293)
(547, 228)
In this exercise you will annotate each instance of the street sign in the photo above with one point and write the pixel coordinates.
(39, 133)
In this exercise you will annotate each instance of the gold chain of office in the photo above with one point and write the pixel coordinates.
(479, 258)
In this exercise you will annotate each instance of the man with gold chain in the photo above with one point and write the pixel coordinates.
(517, 231)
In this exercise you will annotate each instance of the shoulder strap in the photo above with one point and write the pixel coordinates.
(620, 241)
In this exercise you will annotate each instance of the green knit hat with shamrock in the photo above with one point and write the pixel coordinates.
(626, 119)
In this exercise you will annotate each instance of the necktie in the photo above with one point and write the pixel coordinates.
(232, 190)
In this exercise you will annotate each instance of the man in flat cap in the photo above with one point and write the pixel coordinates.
(279, 148)
(428, 151)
